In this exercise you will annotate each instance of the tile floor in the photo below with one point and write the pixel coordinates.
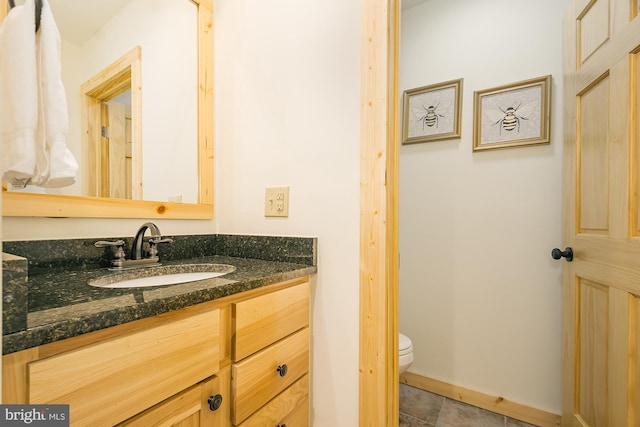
(419, 408)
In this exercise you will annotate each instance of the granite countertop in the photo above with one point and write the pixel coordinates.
(61, 304)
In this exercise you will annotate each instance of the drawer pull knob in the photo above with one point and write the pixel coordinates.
(215, 402)
(282, 370)
(282, 425)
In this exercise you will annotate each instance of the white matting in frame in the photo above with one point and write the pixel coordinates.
(512, 115)
(432, 112)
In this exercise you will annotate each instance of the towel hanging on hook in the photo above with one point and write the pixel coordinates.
(33, 108)
(12, 4)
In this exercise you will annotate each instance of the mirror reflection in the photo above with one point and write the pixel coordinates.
(146, 147)
(114, 178)
(111, 125)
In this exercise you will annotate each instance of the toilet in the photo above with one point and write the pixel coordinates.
(405, 353)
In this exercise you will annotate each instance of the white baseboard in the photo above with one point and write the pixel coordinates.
(499, 405)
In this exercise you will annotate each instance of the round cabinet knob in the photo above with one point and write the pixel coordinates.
(282, 425)
(215, 402)
(567, 253)
(282, 370)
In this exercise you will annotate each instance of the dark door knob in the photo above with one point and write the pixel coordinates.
(567, 253)
(215, 402)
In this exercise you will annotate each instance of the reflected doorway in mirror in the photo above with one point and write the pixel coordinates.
(111, 171)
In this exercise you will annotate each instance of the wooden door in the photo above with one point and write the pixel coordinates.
(117, 151)
(116, 157)
(601, 286)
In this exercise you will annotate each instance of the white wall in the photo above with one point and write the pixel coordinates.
(479, 292)
(287, 113)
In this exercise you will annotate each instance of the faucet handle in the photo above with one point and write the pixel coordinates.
(119, 244)
(105, 243)
(156, 240)
(153, 250)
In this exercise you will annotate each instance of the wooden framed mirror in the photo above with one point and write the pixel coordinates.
(57, 205)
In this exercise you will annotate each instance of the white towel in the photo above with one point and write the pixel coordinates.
(18, 94)
(59, 167)
(33, 104)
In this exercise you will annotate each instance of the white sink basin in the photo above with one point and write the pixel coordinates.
(162, 275)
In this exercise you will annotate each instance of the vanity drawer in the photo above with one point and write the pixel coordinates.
(260, 321)
(258, 379)
(188, 408)
(110, 381)
(291, 407)
(299, 417)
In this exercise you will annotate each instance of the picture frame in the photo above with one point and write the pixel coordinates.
(432, 112)
(512, 115)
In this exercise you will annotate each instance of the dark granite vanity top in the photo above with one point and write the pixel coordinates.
(61, 304)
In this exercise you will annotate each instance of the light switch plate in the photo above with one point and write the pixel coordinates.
(276, 201)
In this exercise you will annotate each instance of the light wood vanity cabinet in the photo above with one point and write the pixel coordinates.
(155, 363)
(270, 350)
(167, 369)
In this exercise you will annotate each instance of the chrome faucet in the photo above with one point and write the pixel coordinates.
(139, 258)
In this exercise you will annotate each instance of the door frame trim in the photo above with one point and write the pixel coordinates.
(378, 331)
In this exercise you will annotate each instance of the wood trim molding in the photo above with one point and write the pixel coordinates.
(496, 404)
(205, 103)
(378, 374)
(60, 206)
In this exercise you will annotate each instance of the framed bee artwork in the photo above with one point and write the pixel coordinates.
(432, 112)
(512, 115)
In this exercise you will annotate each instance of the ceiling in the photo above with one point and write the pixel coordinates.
(406, 4)
(79, 20)
(95, 13)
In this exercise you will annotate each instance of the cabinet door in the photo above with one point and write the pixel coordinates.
(187, 409)
(110, 381)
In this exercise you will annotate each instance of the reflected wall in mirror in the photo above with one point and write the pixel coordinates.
(171, 118)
